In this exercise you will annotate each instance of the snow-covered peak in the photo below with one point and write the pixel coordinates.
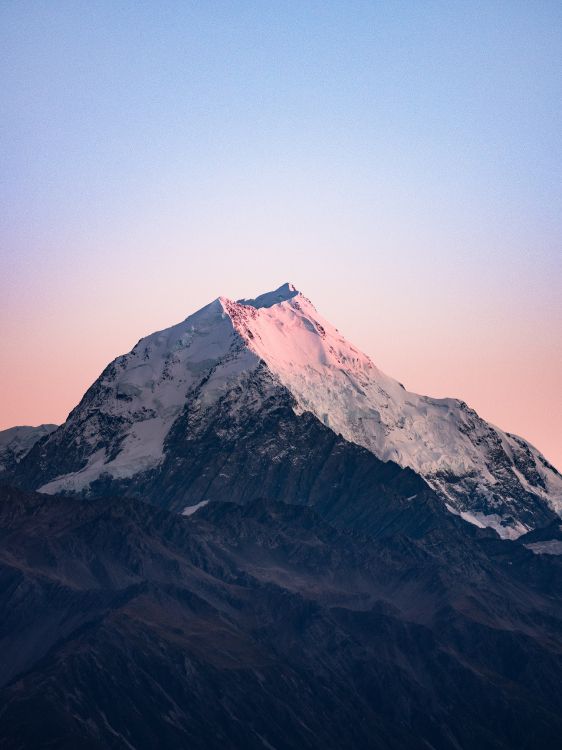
(460, 454)
(125, 416)
(488, 476)
(285, 292)
(291, 335)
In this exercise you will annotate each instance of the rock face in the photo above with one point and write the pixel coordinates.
(16, 442)
(267, 625)
(215, 385)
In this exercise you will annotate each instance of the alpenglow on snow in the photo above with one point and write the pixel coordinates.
(121, 427)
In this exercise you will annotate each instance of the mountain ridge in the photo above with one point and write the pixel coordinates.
(122, 426)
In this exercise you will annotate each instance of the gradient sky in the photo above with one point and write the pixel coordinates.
(399, 162)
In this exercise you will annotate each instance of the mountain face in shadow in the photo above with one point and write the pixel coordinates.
(272, 625)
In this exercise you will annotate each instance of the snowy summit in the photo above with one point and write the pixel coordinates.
(120, 428)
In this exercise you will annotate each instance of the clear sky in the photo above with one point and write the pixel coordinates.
(399, 162)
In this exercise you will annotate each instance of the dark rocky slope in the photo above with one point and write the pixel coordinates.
(265, 625)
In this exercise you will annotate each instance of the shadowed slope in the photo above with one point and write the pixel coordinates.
(264, 625)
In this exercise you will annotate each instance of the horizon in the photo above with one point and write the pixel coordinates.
(401, 163)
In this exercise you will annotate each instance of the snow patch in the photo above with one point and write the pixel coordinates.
(512, 530)
(189, 510)
(551, 547)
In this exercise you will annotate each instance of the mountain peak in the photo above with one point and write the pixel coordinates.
(238, 353)
(282, 294)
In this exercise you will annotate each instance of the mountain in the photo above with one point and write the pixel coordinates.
(265, 625)
(212, 408)
(16, 442)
